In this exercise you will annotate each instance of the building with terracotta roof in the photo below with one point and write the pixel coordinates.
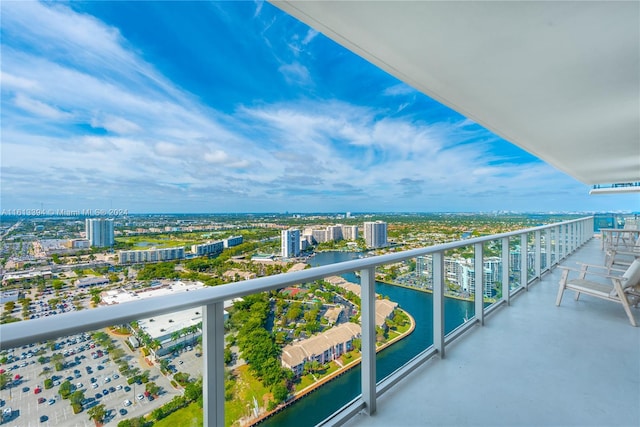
(321, 348)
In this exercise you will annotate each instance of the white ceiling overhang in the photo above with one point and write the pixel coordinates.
(560, 79)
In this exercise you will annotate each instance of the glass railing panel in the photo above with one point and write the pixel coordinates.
(492, 272)
(515, 263)
(404, 312)
(553, 237)
(531, 256)
(543, 250)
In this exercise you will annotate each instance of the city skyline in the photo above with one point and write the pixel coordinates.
(237, 107)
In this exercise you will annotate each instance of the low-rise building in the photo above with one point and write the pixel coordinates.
(85, 282)
(321, 348)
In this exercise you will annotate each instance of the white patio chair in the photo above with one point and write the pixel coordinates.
(622, 289)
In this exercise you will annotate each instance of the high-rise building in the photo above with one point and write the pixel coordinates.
(334, 232)
(99, 231)
(375, 234)
(290, 243)
(350, 232)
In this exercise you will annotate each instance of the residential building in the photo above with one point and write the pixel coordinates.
(350, 232)
(290, 243)
(321, 348)
(232, 241)
(150, 255)
(99, 232)
(209, 248)
(375, 234)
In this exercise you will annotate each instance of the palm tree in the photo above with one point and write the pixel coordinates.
(174, 337)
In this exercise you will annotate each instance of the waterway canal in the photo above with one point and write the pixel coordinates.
(320, 404)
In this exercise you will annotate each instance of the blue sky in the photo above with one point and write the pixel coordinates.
(237, 107)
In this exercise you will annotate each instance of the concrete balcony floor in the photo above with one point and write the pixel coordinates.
(532, 364)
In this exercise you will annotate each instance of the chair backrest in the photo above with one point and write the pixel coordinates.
(631, 277)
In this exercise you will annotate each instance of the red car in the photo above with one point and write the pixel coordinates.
(37, 390)
(41, 400)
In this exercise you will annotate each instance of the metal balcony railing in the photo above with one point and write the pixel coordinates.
(541, 248)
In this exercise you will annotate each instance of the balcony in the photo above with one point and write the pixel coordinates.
(528, 354)
(531, 364)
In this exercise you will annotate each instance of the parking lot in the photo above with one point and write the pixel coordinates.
(82, 370)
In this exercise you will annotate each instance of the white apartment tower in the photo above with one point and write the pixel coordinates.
(99, 231)
(290, 243)
(375, 234)
(350, 232)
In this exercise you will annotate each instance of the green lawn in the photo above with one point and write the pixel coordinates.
(303, 382)
(191, 416)
(246, 389)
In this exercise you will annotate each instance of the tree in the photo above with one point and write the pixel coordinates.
(58, 361)
(152, 388)
(280, 392)
(193, 391)
(97, 414)
(65, 390)
(5, 378)
(76, 401)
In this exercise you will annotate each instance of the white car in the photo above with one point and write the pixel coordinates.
(78, 386)
(94, 385)
(127, 402)
(140, 396)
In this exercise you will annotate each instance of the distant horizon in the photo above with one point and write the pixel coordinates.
(238, 107)
(333, 213)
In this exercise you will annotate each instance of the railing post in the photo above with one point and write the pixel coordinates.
(506, 289)
(368, 320)
(547, 247)
(478, 272)
(213, 369)
(537, 260)
(556, 235)
(524, 253)
(438, 302)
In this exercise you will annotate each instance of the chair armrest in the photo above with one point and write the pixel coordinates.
(591, 273)
(603, 267)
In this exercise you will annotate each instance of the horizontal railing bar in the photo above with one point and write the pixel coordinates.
(25, 332)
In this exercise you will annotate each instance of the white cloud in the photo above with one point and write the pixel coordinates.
(295, 73)
(9, 81)
(400, 89)
(117, 125)
(39, 108)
